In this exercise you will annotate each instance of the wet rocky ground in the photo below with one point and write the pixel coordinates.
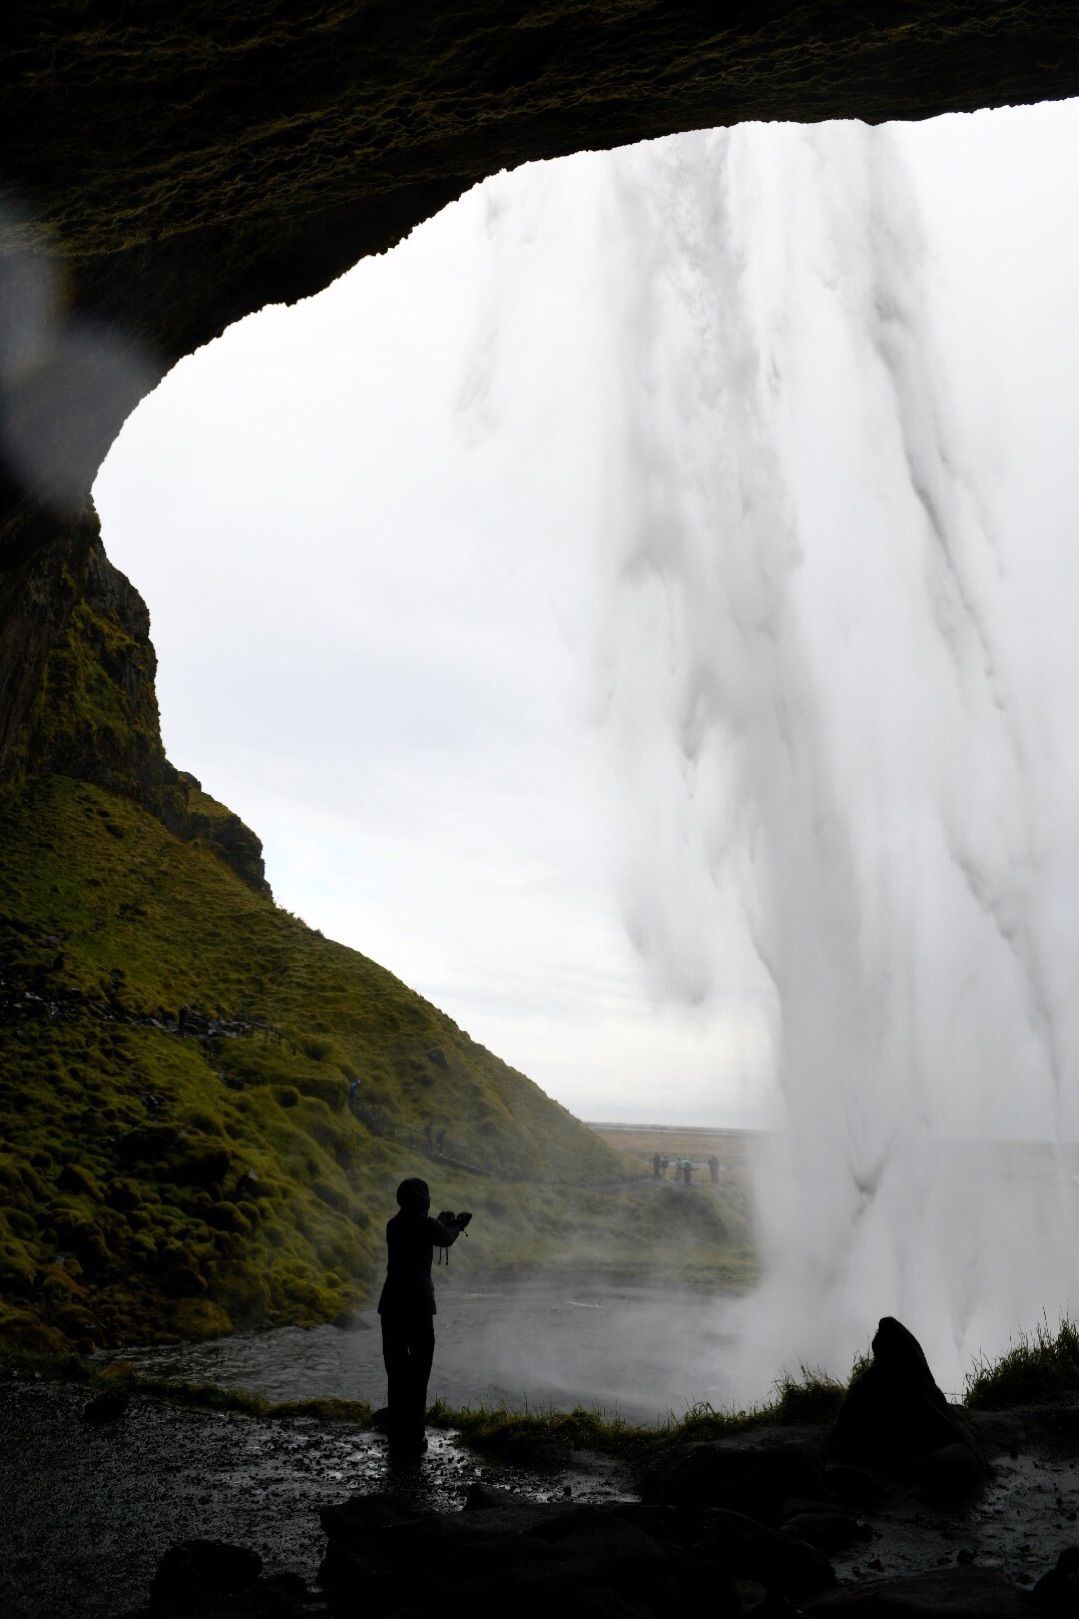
(87, 1511)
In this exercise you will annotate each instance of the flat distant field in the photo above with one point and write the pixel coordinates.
(735, 1149)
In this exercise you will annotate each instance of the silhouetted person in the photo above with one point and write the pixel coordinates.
(687, 1173)
(713, 1169)
(353, 1092)
(656, 1162)
(664, 1165)
(407, 1308)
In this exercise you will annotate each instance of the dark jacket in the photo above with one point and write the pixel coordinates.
(411, 1240)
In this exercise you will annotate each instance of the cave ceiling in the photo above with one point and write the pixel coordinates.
(180, 165)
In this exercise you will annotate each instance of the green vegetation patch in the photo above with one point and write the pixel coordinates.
(1040, 1369)
(175, 1061)
(532, 1437)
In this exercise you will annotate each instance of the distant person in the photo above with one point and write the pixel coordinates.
(713, 1169)
(353, 1093)
(407, 1308)
(664, 1165)
(657, 1163)
(687, 1173)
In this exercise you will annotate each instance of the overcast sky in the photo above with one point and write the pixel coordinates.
(366, 531)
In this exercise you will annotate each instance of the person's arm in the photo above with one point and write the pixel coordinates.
(442, 1229)
(445, 1228)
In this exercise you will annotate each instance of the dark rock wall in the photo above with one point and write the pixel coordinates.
(185, 164)
(166, 169)
(77, 695)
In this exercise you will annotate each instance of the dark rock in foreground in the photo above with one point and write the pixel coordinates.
(616, 1560)
(210, 1579)
(1057, 1593)
(448, 1543)
(896, 1420)
(948, 1593)
(755, 1473)
(107, 1407)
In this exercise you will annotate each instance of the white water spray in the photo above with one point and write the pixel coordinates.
(815, 676)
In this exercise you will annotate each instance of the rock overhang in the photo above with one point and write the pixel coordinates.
(184, 166)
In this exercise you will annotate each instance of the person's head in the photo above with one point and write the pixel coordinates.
(414, 1197)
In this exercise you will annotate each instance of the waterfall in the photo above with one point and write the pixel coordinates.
(814, 680)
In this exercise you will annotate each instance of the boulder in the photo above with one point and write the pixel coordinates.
(826, 1528)
(611, 1561)
(945, 1593)
(781, 1563)
(894, 1414)
(949, 1475)
(205, 1565)
(107, 1407)
(210, 1579)
(857, 1488)
(1057, 1593)
(756, 1477)
(485, 1497)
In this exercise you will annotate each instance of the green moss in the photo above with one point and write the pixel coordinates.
(85, 715)
(184, 1184)
(357, 1412)
(200, 1318)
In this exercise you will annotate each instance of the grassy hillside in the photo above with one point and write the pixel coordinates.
(164, 1174)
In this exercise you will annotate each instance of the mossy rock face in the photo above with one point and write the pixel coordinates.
(167, 1178)
(18, 1272)
(26, 1331)
(198, 1318)
(72, 1178)
(196, 1163)
(150, 1144)
(328, 1090)
(182, 1174)
(242, 1293)
(181, 1280)
(123, 1194)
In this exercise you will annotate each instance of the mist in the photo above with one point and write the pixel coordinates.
(706, 510)
(827, 681)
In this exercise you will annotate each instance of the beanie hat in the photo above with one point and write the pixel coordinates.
(414, 1194)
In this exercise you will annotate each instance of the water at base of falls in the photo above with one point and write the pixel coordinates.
(526, 1346)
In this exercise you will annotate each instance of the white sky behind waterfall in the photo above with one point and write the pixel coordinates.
(392, 542)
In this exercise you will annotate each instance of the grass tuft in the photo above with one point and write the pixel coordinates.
(526, 1435)
(1040, 1368)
